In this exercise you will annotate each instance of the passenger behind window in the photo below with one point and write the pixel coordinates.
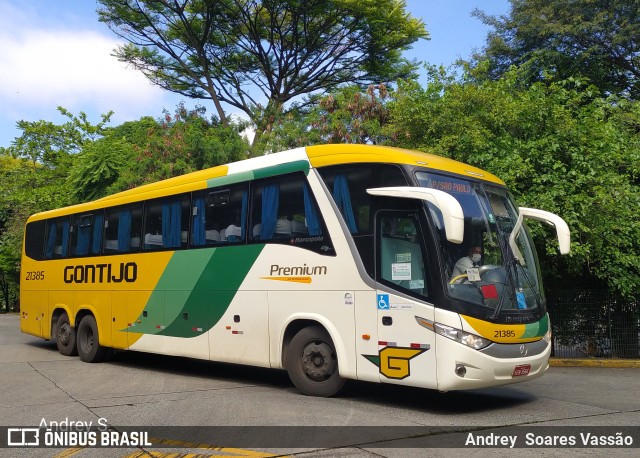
(233, 233)
(283, 228)
(298, 228)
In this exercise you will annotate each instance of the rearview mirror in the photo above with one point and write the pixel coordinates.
(562, 229)
(447, 204)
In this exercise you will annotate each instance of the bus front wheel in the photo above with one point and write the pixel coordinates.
(65, 336)
(312, 363)
(89, 349)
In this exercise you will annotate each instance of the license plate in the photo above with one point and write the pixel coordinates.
(521, 370)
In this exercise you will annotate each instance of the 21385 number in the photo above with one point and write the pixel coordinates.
(35, 275)
(504, 334)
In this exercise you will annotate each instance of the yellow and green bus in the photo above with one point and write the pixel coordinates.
(332, 262)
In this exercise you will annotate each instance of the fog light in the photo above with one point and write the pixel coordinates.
(461, 371)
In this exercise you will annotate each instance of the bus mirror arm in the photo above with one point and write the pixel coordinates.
(562, 229)
(450, 208)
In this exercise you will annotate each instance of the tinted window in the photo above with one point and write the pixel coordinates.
(122, 229)
(348, 185)
(86, 233)
(219, 215)
(57, 242)
(34, 239)
(284, 210)
(166, 223)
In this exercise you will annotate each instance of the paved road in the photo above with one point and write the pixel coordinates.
(139, 390)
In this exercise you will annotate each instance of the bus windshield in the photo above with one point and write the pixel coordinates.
(483, 269)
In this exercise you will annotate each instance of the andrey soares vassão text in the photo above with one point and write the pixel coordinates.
(530, 439)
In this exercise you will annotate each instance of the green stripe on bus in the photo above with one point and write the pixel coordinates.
(195, 290)
(537, 329)
(181, 274)
(212, 294)
(230, 179)
(281, 169)
(266, 172)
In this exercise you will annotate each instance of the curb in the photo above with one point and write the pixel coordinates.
(576, 362)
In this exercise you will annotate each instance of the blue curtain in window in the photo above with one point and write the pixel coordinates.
(124, 230)
(311, 213)
(343, 200)
(199, 236)
(65, 238)
(98, 224)
(51, 241)
(171, 225)
(176, 223)
(270, 199)
(84, 237)
(166, 225)
(243, 214)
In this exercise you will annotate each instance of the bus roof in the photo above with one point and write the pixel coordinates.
(310, 156)
(324, 155)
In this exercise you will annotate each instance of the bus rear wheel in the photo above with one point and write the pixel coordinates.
(312, 363)
(65, 336)
(89, 349)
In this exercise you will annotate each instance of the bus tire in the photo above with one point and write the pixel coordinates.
(312, 363)
(65, 336)
(89, 349)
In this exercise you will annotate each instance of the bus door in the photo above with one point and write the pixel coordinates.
(406, 350)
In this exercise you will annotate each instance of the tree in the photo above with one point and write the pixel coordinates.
(33, 178)
(174, 145)
(559, 146)
(47, 144)
(98, 166)
(257, 56)
(9, 256)
(596, 39)
(347, 115)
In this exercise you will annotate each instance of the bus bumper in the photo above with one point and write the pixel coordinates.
(463, 368)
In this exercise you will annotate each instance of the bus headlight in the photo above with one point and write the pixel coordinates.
(465, 338)
(547, 336)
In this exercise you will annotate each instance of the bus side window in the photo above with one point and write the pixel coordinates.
(34, 239)
(219, 215)
(284, 210)
(57, 238)
(84, 230)
(348, 185)
(122, 229)
(166, 223)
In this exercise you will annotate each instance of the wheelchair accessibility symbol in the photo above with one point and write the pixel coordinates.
(383, 301)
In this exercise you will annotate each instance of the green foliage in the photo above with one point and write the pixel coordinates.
(179, 144)
(98, 166)
(558, 146)
(346, 116)
(51, 166)
(568, 38)
(24, 189)
(33, 178)
(258, 56)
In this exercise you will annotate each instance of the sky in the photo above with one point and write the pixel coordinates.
(56, 53)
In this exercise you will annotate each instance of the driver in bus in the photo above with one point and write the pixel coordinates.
(470, 261)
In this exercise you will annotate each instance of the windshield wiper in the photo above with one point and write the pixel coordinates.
(509, 261)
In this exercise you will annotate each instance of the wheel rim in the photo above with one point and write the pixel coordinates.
(318, 361)
(64, 334)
